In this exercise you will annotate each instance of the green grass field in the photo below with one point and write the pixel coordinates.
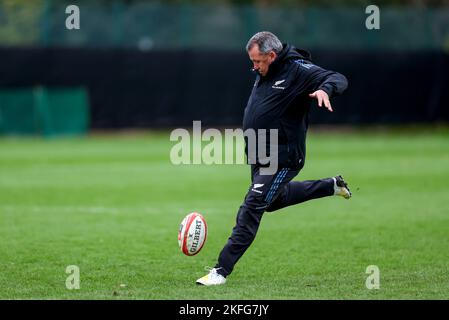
(112, 205)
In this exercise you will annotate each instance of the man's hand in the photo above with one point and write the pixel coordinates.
(322, 96)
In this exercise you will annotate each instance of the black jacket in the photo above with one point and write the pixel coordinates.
(280, 100)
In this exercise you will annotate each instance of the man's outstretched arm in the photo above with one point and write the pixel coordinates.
(321, 84)
(334, 83)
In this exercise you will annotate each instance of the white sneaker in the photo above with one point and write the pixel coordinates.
(212, 278)
(341, 188)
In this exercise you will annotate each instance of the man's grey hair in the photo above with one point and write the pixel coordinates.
(266, 41)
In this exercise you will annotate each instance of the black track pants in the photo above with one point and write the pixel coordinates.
(267, 193)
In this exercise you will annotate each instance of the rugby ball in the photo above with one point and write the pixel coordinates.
(192, 234)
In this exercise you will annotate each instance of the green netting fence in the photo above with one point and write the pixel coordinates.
(44, 111)
(149, 25)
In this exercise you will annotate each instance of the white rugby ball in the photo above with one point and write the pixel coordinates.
(192, 234)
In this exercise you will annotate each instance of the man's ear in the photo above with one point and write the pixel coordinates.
(273, 55)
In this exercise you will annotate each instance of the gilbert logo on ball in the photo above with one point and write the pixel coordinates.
(192, 234)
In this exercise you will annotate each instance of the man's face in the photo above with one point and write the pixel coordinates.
(261, 62)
